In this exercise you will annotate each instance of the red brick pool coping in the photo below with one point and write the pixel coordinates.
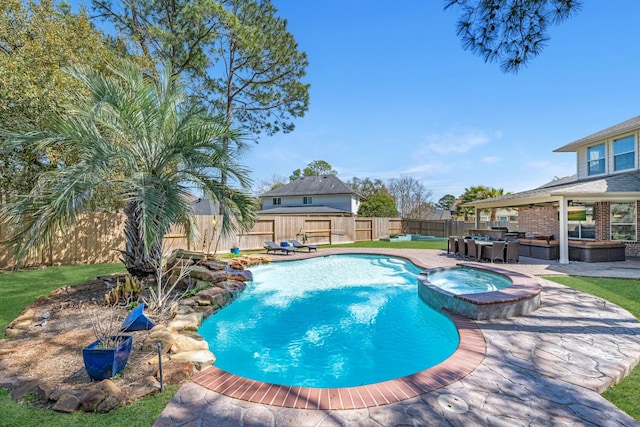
(469, 354)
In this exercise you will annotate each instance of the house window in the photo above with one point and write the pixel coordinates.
(307, 200)
(277, 201)
(623, 221)
(596, 159)
(624, 153)
(580, 222)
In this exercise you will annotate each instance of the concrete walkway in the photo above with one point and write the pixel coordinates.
(546, 368)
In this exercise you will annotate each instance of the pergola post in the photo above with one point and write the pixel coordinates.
(476, 211)
(564, 231)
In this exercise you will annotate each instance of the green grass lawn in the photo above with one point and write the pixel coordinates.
(405, 244)
(21, 288)
(625, 293)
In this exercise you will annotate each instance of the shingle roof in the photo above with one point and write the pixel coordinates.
(205, 207)
(311, 185)
(620, 128)
(622, 184)
(302, 210)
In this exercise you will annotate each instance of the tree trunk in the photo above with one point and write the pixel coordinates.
(138, 261)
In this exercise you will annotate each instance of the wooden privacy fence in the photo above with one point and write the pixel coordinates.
(98, 238)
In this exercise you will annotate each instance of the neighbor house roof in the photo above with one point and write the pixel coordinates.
(204, 207)
(312, 185)
(610, 186)
(302, 210)
(614, 130)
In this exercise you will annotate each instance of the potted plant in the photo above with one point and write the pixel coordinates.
(236, 249)
(109, 353)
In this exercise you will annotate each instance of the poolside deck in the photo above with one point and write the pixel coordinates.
(545, 368)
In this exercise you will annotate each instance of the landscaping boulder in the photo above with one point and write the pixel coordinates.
(142, 388)
(215, 265)
(103, 397)
(154, 360)
(203, 273)
(233, 286)
(189, 321)
(200, 358)
(183, 343)
(184, 255)
(176, 371)
(68, 403)
(167, 338)
(23, 388)
(215, 297)
(240, 275)
(238, 263)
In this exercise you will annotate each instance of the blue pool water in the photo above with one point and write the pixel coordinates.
(463, 280)
(335, 321)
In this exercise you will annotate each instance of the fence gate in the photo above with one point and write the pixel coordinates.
(364, 230)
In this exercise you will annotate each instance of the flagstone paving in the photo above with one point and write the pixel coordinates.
(545, 368)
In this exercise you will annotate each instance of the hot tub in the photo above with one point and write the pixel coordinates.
(520, 294)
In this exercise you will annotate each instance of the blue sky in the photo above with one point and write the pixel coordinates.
(394, 94)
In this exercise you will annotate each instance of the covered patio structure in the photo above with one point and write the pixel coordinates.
(594, 213)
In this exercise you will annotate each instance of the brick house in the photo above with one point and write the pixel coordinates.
(596, 207)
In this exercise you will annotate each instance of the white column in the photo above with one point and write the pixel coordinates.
(564, 231)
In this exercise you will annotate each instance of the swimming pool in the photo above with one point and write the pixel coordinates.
(333, 321)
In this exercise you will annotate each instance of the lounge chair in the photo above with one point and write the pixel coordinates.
(272, 246)
(299, 245)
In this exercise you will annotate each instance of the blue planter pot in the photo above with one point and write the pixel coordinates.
(103, 363)
(137, 321)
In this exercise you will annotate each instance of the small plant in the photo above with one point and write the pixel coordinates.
(132, 305)
(161, 295)
(125, 292)
(31, 398)
(191, 292)
(106, 330)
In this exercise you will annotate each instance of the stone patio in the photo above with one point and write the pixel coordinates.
(545, 368)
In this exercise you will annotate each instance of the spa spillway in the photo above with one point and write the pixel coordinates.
(491, 293)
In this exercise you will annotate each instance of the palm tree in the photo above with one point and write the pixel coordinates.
(140, 138)
(477, 192)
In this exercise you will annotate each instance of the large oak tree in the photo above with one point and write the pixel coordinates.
(38, 39)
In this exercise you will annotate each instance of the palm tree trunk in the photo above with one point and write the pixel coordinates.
(138, 261)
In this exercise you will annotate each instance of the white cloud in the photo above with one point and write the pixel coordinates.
(490, 159)
(456, 142)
